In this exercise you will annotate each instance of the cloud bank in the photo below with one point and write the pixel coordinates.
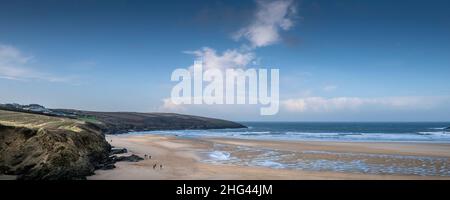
(336, 104)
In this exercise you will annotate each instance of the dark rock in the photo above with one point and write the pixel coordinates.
(106, 166)
(132, 158)
(118, 150)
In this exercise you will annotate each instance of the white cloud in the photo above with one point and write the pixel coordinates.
(14, 65)
(320, 104)
(169, 106)
(270, 18)
(9, 54)
(229, 59)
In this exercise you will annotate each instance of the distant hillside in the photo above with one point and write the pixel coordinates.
(122, 122)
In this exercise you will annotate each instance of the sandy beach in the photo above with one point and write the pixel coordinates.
(189, 158)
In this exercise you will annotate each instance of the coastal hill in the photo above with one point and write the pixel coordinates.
(123, 122)
(41, 143)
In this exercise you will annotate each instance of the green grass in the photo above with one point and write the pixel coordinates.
(91, 119)
(35, 121)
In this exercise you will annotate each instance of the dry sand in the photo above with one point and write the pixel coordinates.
(180, 158)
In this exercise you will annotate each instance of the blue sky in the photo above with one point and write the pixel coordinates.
(339, 60)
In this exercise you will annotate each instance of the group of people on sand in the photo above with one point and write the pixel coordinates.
(155, 166)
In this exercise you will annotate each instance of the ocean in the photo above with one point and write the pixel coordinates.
(330, 131)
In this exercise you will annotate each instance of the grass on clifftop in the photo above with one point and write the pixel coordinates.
(35, 121)
(91, 119)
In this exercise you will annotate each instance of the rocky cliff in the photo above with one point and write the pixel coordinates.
(42, 147)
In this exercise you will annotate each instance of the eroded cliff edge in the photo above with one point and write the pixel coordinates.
(42, 147)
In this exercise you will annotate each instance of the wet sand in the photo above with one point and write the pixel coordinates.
(183, 158)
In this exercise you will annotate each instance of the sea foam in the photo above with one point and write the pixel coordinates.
(219, 155)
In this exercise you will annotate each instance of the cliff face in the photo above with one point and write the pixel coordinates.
(54, 149)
